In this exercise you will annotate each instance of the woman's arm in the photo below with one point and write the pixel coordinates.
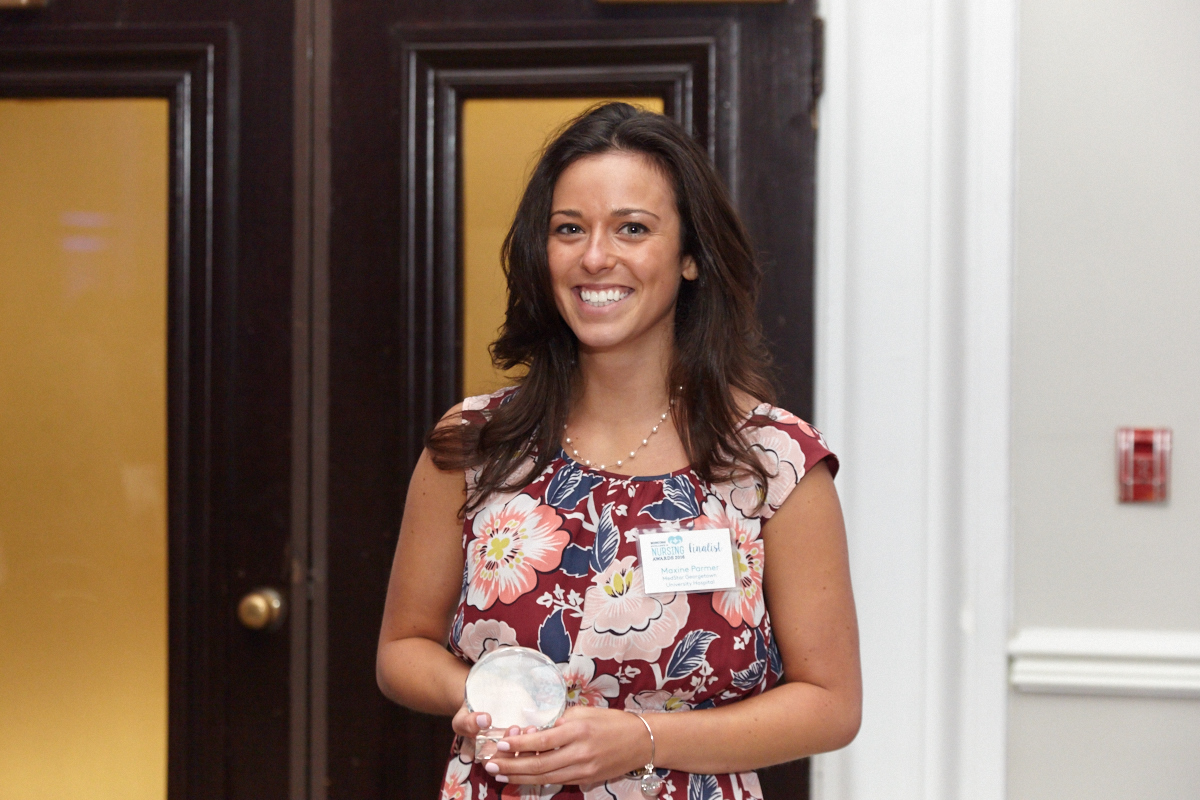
(817, 708)
(412, 664)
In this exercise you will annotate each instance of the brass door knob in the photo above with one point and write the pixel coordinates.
(261, 609)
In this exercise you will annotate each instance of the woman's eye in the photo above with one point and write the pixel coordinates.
(568, 228)
(635, 228)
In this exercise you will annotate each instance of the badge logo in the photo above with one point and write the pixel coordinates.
(677, 539)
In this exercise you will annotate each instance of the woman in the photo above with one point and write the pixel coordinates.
(632, 305)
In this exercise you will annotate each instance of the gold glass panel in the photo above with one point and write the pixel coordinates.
(501, 141)
(83, 449)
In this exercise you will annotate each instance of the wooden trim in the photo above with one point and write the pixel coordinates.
(310, 396)
(186, 67)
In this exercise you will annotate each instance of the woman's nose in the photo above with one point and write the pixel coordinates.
(598, 255)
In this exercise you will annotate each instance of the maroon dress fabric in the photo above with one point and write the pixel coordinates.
(554, 567)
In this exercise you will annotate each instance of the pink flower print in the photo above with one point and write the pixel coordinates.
(788, 418)
(783, 460)
(480, 401)
(656, 700)
(513, 542)
(529, 791)
(744, 603)
(457, 783)
(485, 636)
(749, 781)
(621, 622)
(583, 688)
(621, 788)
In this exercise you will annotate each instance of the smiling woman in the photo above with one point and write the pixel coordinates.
(631, 305)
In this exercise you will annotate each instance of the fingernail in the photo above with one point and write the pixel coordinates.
(501, 779)
(482, 720)
(505, 746)
(514, 731)
(492, 767)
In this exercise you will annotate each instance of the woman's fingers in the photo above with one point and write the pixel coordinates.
(468, 723)
(553, 766)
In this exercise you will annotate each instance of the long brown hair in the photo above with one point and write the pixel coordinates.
(719, 344)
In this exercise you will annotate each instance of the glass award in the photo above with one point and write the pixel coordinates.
(515, 686)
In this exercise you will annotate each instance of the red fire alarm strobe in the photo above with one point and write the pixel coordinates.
(1143, 464)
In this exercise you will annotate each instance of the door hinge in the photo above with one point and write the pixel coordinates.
(816, 72)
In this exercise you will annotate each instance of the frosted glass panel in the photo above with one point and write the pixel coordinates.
(501, 141)
(83, 447)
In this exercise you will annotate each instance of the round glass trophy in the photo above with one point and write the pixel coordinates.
(515, 686)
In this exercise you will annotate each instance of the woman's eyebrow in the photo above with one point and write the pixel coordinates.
(567, 212)
(629, 212)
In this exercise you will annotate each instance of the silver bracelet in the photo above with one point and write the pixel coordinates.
(651, 783)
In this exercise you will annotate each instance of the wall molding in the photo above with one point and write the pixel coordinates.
(1118, 663)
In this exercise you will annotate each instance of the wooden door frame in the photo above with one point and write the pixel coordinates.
(185, 68)
(690, 69)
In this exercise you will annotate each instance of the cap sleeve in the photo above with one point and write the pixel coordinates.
(788, 448)
(475, 411)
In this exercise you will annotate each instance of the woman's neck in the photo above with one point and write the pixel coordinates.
(614, 384)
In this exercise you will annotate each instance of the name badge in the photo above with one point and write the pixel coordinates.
(686, 561)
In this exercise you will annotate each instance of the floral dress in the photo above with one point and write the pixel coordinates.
(552, 567)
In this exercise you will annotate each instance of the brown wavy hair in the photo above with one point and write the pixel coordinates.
(719, 345)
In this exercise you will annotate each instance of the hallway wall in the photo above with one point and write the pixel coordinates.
(1105, 334)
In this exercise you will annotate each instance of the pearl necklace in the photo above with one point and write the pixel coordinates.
(632, 453)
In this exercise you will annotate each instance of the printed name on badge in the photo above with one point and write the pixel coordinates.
(686, 561)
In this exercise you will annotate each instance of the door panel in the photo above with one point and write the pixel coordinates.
(225, 354)
(83, 448)
(404, 342)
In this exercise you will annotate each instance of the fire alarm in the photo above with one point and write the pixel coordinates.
(1143, 464)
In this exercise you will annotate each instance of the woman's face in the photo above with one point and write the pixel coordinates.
(614, 251)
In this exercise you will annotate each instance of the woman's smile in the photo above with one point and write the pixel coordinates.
(603, 297)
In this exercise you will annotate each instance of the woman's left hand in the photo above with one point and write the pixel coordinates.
(586, 746)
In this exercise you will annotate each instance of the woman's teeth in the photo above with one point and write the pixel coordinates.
(602, 297)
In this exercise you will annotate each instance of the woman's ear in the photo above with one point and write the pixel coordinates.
(690, 270)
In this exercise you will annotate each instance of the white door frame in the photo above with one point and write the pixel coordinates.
(915, 177)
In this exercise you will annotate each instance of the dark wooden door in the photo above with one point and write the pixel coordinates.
(739, 76)
(314, 328)
(236, 699)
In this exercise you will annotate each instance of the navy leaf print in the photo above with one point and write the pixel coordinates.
(760, 644)
(570, 485)
(575, 560)
(456, 631)
(776, 660)
(688, 655)
(608, 539)
(709, 703)
(703, 787)
(750, 677)
(679, 501)
(553, 639)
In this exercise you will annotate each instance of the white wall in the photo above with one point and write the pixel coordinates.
(1106, 333)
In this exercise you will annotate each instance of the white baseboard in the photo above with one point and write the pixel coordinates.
(1123, 663)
